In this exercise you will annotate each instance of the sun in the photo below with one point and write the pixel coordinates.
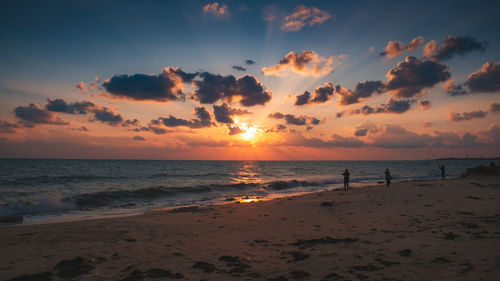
(249, 131)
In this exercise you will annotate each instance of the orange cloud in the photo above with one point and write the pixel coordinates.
(215, 9)
(305, 63)
(395, 48)
(303, 16)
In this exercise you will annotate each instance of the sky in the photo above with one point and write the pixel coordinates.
(249, 80)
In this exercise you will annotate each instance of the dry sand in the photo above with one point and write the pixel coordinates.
(416, 230)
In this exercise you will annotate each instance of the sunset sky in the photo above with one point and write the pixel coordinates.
(249, 80)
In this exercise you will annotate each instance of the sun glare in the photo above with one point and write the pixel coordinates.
(249, 131)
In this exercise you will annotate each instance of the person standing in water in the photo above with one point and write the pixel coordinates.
(442, 171)
(388, 177)
(346, 179)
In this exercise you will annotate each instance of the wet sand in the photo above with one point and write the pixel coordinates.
(415, 230)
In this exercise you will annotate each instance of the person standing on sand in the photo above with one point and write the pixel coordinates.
(346, 179)
(388, 177)
(442, 171)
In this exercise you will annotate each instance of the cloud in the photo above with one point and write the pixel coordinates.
(107, 116)
(249, 62)
(34, 114)
(305, 63)
(362, 90)
(7, 127)
(139, 138)
(321, 94)
(81, 129)
(303, 16)
(303, 98)
(429, 49)
(297, 139)
(360, 132)
(239, 68)
(216, 9)
(81, 86)
(424, 104)
(234, 130)
(410, 77)
(454, 89)
(494, 107)
(427, 124)
(395, 136)
(203, 120)
(223, 113)
(398, 106)
(295, 120)
(456, 117)
(164, 87)
(453, 45)
(486, 79)
(214, 87)
(395, 48)
(59, 105)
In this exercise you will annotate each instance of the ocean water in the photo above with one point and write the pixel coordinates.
(45, 189)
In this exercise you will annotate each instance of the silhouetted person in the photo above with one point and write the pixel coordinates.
(442, 171)
(388, 177)
(492, 164)
(346, 179)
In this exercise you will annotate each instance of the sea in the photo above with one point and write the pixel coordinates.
(44, 190)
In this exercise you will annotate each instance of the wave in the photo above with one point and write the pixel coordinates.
(46, 179)
(131, 198)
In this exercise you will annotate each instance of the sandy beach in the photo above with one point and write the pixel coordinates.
(414, 230)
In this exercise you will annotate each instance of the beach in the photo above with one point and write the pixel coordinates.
(413, 230)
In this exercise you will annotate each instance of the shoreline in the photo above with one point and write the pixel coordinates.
(414, 230)
(122, 212)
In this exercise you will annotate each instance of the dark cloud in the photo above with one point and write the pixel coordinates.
(234, 130)
(453, 45)
(486, 79)
(303, 98)
(453, 89)
(395, 136)
(410, 77)
(166, 86)
(7, 127)
(361, 132)
(395, 48)
(297, 139)
(107, 116)
(427, 124)
(130, 123)
(321, 94)
(59, 105)
(295, 120)
(214, 87)
(392, 106)
(203, 120)
(494, 107)
(139, 138)
(223, 113)
(456, 117)
(362, 90)
(239, 68)
(249, 62)
(424, 104)
(81, 129)
(34, 114)
(252, 92)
